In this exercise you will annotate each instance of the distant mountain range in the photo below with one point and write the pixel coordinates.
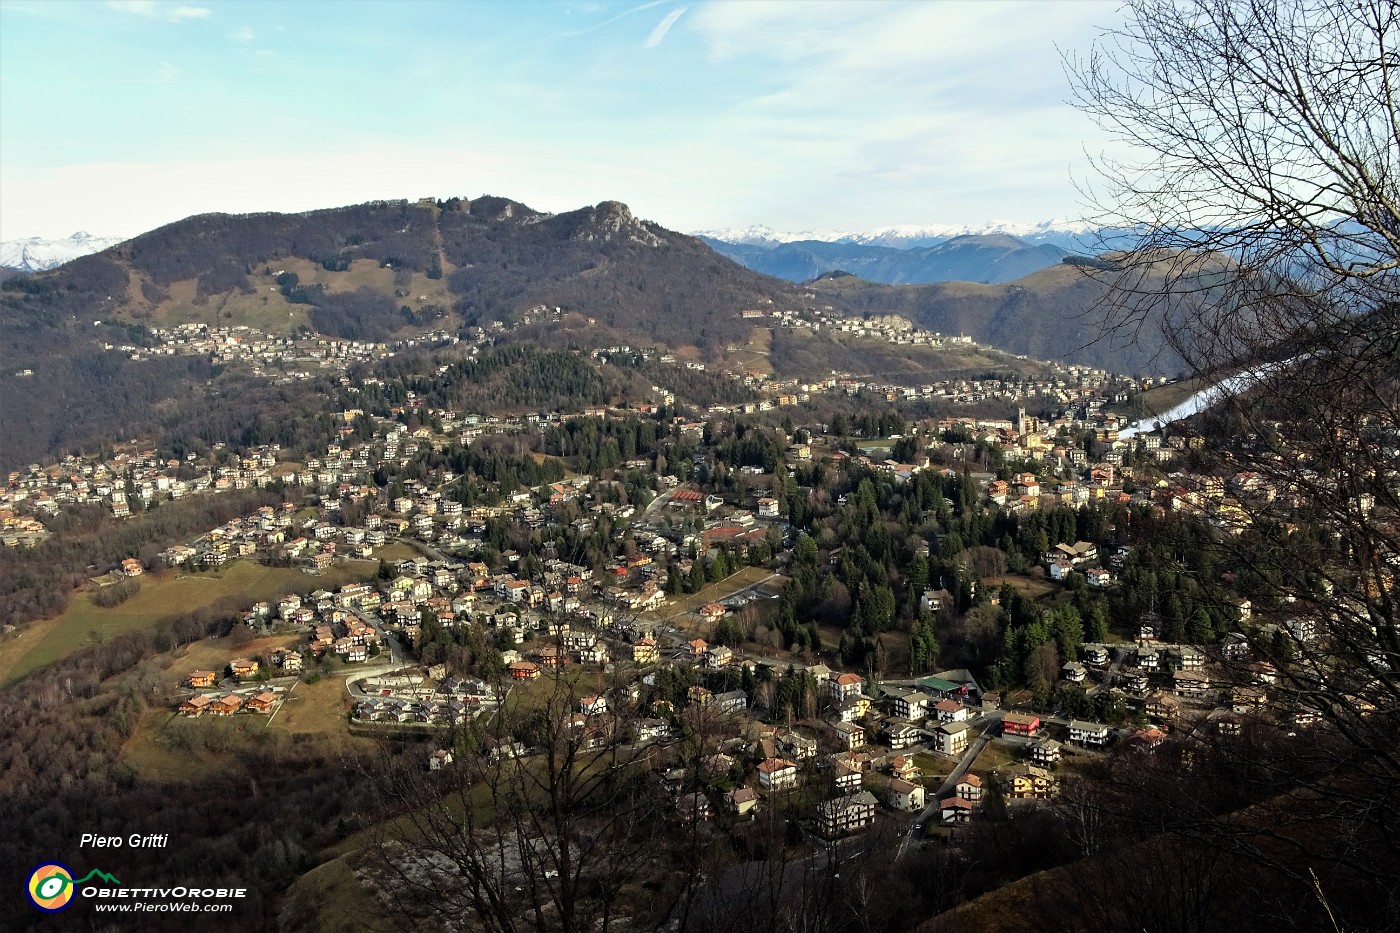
(990, 258)
(35, 254)
(988, 253)
(991, 252)
(1074, 236)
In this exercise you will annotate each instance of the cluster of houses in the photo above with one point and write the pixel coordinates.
(1070, 383)
(262, 700)
(281, 358)
(435, 518)
(130, 479)
(1180, 687)
(931, 713)
(435, 710)
(864, 775)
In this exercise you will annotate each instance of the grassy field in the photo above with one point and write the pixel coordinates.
(330, 899)
(754, 354)
(365, 273)
(399, 550)
(161, 598)
(995, 755)
(160, 748)
(535, 694)
(213, 654)
(266, 309)
(1165, 398)
(151, 755)
(935, 769)
(318, 707)
(1032, 587)
(675, 612)
(876, 446)
(313, 712)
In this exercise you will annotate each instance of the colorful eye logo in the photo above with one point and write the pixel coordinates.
(51, 887)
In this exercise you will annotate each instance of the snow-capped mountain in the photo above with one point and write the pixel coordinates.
(34, 254)
(1067, 234)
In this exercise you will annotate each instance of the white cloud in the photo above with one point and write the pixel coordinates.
(804, 115)
(139, 7)
(242, 35)
(138, 196)
(663, 27)
(161, 11)
(933, 111)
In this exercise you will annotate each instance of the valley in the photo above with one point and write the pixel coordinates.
(864, 608)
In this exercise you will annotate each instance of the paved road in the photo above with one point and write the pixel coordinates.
(969, 757)
(352, 679)
(386, 638)
(658, 502)
(934, 809)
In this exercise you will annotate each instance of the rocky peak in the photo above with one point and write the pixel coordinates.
(613, 220)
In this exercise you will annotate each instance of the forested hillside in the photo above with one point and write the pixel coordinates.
(1051, 314)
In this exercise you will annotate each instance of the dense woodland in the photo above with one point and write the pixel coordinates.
(257, 822)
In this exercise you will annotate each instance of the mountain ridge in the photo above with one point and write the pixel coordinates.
(971, 257)
(75, 370)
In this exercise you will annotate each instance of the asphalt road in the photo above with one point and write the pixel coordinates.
(933, 810)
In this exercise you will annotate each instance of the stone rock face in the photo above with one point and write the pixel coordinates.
(611, 220)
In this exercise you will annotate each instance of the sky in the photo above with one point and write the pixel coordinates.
(117, 117)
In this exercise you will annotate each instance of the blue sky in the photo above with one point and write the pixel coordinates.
(117, 117)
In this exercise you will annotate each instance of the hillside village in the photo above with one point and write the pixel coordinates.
(932, 750)
(1081, 392)
(448, 564)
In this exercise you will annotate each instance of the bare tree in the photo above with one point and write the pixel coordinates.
(1264, 138)
(547, 821)
(1270, 150)
(1261, 201)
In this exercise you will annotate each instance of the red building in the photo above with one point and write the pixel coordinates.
(1020, 724)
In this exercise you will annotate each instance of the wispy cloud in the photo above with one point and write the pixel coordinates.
(612, 19)
(663, 27)
(160, 11)
(898, 112)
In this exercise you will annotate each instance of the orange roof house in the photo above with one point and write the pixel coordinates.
(202, 679)
(523, 670)
(243, 667)
(711, 612)
(262, 703)
(226, 706)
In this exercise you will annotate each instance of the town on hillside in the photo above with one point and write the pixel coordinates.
(877, 619)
